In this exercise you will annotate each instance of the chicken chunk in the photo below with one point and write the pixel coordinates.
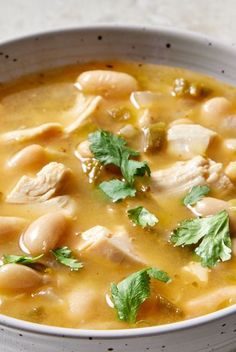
(188, 140)
(99, 241)
(209, 302)
(194, 271)
(183, 175)
(82, 110)
(65, 203)
(41, 188)
(46, 130)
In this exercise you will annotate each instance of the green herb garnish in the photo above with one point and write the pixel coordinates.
(195, 194)
(20, 259)
(110, 149)
(64, 256)
(131, 292)
(117, 190)
(213, 231)
(142, 217)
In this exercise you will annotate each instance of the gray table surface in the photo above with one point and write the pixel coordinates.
(216, 18)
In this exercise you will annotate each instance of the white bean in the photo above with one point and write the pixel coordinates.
(84, 150)
(128, 131)
(215, 108)
(11, 226)
(17, 278)
(85, 304)
(230, 171)
(29, 157)
(43, 234)
(108, 83)
(230, 144)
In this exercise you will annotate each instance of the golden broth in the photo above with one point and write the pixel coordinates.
(32, 101)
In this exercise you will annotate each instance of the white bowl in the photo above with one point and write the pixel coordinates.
(212, 332)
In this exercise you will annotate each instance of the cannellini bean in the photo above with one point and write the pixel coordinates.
(230, 144)
(128, 131)
(215, 108)
(16, 277)
(85, 304)
(43, 234)
(108, 83)
(208, 206)
(29, 157)
(230, 170)
(83, 149)
(209, 302)
(10, 226)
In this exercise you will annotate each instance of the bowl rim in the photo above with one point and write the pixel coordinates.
(54, 331)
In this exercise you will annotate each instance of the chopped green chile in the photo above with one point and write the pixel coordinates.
(154, 136)
(183, 88)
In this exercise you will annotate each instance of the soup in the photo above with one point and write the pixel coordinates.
(118, 196)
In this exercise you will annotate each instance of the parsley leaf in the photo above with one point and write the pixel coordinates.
(196, 193)
(141, 216)
(109, 148)
(64, 256)
(132, 168)
(20, 259)
(214, 233)
(117, 190)
(131, 292)
(159, 275)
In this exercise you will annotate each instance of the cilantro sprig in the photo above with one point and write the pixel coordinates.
(64, 256)
(109, 149)
(20, 259)
(196, 194)
(130, 293)
(142, 217)
(212, 232)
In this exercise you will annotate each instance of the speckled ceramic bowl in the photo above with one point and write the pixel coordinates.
(212, 332)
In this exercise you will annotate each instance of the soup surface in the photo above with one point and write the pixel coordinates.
(101, 164)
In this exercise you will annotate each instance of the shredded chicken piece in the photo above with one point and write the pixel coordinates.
(117, 248)
(39, 189)
(84, 107)
(183, 175)
(66, 204)
(186, 141)
(46, 130)
(209, 302)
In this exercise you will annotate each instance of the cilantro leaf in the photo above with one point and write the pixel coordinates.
(214, 233)
(159, 275)
(64, 256)
(20, 259)
(141, 216)
(132, 168)
(131, 292)
(195, 194)
(109, 148)
(117, 190)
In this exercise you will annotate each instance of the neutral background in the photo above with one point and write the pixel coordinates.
(216, 18)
